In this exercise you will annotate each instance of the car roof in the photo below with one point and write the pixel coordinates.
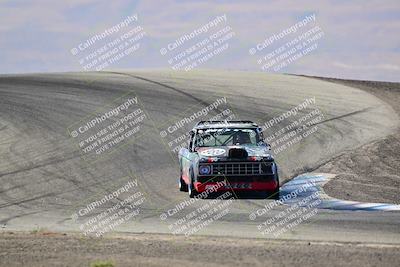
(223, 124)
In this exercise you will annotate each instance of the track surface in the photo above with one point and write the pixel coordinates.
(44, 179)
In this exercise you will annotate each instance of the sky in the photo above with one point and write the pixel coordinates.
(356, 39)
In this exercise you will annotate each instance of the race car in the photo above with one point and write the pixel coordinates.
(225, 156)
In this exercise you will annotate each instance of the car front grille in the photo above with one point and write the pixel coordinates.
(241, 168)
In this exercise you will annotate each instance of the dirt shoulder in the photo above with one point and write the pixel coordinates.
(370, 173)
(50, 249)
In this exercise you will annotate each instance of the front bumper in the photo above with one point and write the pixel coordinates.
(237, 186)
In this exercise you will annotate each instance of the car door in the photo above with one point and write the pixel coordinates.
(186, 156)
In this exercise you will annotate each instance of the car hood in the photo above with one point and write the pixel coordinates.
(223, 151)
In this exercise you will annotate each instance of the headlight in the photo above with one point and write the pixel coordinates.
(266, 168)
(204, 169)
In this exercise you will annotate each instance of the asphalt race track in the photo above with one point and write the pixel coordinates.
(45, 179)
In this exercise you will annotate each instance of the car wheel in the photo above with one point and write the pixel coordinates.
(182, 185)
(271, 195)
(192, 191)
(275, 194)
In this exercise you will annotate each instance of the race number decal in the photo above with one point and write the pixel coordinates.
(213, 152)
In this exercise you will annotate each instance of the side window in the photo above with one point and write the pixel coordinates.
(253, 137)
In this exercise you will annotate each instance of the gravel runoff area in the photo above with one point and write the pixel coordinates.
(363, 172)
(51, 249)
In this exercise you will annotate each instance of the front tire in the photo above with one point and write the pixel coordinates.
(182, 185)
(275, 194)
(192, 191)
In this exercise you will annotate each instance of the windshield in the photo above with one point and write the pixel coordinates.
(226, 137)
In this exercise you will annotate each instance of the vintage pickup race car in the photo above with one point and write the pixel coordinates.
(227, 156)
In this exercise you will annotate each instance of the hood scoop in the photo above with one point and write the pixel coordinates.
(237, 153)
